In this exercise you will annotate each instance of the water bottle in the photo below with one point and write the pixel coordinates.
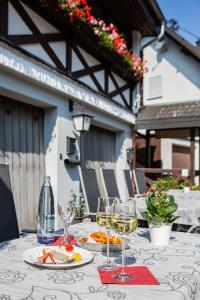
(46, 214)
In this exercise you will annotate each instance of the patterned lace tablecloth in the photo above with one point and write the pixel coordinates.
(177, 268)
(188, 206)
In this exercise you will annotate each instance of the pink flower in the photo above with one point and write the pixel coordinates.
(101, 22)
(96, 32)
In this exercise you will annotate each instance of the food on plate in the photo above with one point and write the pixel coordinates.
(83, 240)
(58, 255)
(100, 237)
(76, 257)
(114, 240)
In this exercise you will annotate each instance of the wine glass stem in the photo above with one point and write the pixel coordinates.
(123, 255)
(65, 234)
(108, 250)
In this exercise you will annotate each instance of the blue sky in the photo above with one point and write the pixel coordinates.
(186, 12)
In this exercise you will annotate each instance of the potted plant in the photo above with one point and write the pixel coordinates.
(160, 216)
(185, 185)
(77, 201)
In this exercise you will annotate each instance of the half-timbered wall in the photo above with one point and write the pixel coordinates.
(30, 31)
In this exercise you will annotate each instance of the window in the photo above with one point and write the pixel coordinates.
(155, 89)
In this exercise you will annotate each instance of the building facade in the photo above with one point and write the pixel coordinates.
(49, 71)
(171, 102)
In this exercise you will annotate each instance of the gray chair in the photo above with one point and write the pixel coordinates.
(110, 183)
(90, 189)
(8, 219)
(140, 181)
(129, 183)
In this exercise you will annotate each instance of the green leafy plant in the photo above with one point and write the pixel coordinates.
(77, 201)
(160, 208)
(195, 188)
(184, 183)
(167, 183)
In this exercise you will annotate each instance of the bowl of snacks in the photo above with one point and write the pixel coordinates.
(97, 241)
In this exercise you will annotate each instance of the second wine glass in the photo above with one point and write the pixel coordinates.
(125, 223)
(105, 211)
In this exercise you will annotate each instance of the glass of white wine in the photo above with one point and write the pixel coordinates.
(105, 212)
(124, 223)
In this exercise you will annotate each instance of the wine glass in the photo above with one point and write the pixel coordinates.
(67, 214)
(124, 223)
(105, 211)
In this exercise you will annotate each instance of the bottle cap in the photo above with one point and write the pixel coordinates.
(47, 177)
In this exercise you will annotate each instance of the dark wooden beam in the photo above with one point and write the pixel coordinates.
(147, 152)
(118, 90)
(69, 58)
(151, 21)
(4, 17)
(106, 81)
(131, 96)
(141, 135)
(88, 69)
(36, 38)
(162, 171)
(22, 12)
(84, 72)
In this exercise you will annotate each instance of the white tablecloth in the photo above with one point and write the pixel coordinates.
(177, 268)
(188, 206)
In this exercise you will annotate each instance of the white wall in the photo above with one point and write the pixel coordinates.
(179, 74)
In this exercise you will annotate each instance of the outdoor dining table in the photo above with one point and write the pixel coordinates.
(176, 267)
(188, 206)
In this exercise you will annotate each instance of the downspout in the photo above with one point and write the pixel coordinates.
(156, 39)
(139, 95)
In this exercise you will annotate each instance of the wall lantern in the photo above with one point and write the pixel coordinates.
(82, 121)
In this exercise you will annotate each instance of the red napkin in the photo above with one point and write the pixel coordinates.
(60, 241)
(142, 276)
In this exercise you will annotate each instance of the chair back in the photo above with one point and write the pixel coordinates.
(90, 188)
(140, 181)
(110, 183)
(129, 183)
(8, 218)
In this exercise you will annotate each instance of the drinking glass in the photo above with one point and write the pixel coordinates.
(105, 211)
(66, 213)
(124, 223)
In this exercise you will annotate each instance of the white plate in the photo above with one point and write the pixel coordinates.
(30, 256)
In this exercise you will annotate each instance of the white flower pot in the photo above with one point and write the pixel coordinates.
(160, 234)
(186, 189)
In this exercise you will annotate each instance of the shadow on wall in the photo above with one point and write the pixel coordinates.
(141, 158)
